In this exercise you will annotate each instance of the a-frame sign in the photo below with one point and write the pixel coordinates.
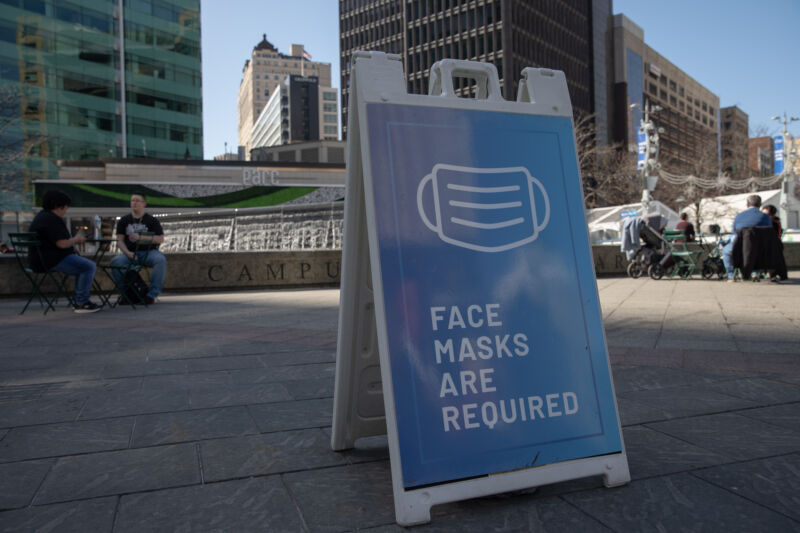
(470, 327)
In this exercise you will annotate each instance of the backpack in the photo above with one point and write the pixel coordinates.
(135, 288)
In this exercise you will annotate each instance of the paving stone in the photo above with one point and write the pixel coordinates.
(58, 408)
(759, 331)
(503, 513)
(682, 343)
(651, 453)
(632, 378)
(733, 435)
(148, 368)
(291, 355)
(120, 472)
(293, 415)
(48, 375)
(772, 482)
(632, 412)
(22, 393)
(228, 362)
(677, 402)
(256, 504)
(170, 428)
(19, 481)
(284, 373)
(106, 405)
(355, 497)
(24, 362)
(202, 350)
(306, 389)
(677, 503)
(95, 386)
(271, 453)
(787, 415)
(52, 440)
(3, 433)
(766, 345)
(366, 449)
(75, 517)
(219, 378)
(762, 391)
(207, 397)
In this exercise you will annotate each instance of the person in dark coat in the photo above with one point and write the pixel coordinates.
(780, 273)
(57, 252)
(686, 226)
(751, 216)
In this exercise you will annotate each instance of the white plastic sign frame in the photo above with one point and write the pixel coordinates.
(469, 327)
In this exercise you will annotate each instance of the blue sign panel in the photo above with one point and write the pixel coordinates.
(494, 330)
(628, 213)
(642, 139)
(778, 143)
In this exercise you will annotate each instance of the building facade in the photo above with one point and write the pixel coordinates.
(263, 74)
(690, 111)
(734, 142)
(511, 34)
(760, 156)
(65, 96)
(298, 110)
(328, 151)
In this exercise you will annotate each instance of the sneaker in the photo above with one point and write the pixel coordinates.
(731, 280)
(149, 301)
(775, 279)
(88, 307)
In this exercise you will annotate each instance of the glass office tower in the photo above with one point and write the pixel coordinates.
(64, 95)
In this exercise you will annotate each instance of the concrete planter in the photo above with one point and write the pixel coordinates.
(272, 270)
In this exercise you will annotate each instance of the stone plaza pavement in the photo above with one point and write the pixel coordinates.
(212, 412)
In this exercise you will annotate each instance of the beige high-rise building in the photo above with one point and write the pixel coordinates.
(689, 110)
(266, 70)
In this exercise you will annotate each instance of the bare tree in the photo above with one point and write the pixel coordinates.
(15, 144)
(703, 164)
(608, 171)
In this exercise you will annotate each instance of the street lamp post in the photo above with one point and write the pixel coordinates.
(789, 155)
(648, 152)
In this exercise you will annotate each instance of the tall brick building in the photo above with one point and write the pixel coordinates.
(512, 34)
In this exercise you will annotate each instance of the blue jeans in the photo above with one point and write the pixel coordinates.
(727, 258)
(154, 259)
(83, 269)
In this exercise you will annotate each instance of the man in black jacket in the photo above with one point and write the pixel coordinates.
(57, 252)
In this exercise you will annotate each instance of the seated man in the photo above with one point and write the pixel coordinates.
(57, 252)
(129, 230)
(748, 218)
(686, 226)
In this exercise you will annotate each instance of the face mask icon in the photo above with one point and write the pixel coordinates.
(483, 209)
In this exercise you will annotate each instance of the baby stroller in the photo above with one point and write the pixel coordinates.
(643, 243)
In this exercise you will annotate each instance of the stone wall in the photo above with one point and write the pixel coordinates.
(268, 270)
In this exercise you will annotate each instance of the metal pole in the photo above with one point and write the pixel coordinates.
(122, 96)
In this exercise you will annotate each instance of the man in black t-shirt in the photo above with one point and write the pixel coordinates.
(56, 251)
(129, 238)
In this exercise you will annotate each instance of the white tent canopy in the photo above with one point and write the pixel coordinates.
(605, 223)
(721, 210)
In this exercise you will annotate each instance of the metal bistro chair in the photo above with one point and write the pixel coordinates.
(25, 245)
(137, 267)
(686, 259)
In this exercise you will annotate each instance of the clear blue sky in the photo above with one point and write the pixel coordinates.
(230, 30)
(739, 50)
(742, 51)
